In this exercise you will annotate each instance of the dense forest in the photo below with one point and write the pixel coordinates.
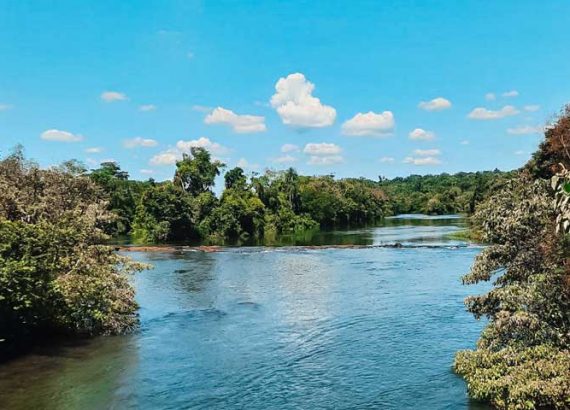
(273, 203)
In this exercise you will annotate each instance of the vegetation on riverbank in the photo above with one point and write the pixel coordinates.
(522, 360)
(55, 276)
(273, 203)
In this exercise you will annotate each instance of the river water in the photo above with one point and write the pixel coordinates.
(278, 328)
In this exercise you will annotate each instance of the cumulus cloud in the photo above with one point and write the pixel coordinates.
(510, 94)
(437, 104)
(239, 123)
(112, 96)
(525, 129)
(422, 161)
(322, 148)
(387, 159)
(168, 157)
(370, 123)
(296, 105)
(60, 136)
(289, 148)
(427, 152)
(285, 159)
(531, 108)
(481, 113)
(147, 107)
(202, 142)
(140, 142)
(326, 160)
(421, 134)
(147, 171)
(94, 150)
(490, 97)
(171, 155)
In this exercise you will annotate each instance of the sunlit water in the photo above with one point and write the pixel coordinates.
(277, 328)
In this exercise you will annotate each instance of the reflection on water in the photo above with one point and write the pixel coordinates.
(280, 328)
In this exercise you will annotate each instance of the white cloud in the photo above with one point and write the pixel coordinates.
(531, 108)
(140, 142)
(5, 107)
(427, 152)
(190, 55)
(61, 136)
(464, 142)
(322, 148)
(239, 123)
(481, 113)
(525, 129)
(387, 159)
(296, 105)
(285, 159)
(168, 157)
(171, 155)
(202, 142)
(111, 96)
(437, 104)
(327, 160)
(490, 97)
(289, 148)
(509, 94)
(520, 152)
(244, 164)
(147, 171)
(147, 107)
(421, 134)
(370, 123)
(422, 161)
(94, 150)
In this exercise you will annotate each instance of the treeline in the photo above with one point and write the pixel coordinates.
(273, 203)
(441, 194)
(186, 208)
(522, 360)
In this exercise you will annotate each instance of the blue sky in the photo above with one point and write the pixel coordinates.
(324, 86)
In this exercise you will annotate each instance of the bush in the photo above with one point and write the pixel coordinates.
(54, 274)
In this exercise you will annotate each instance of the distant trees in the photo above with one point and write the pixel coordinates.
(272, 203)
(522, 360)
(441, 194)
(54, 273)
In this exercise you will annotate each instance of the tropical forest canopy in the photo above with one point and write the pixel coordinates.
(275, 202)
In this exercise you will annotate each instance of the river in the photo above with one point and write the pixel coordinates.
(278, 328)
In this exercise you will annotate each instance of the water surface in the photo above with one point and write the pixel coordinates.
(278, 328)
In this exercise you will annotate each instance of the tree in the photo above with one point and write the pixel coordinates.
(522, 360)
(196, 173)
(54, 273)
(235, 179)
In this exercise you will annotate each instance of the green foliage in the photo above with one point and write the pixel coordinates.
(164, 213)
(441, 194)
(537, 377)
(122, 195)
(522, 360)
(54, 274)
(196, 173)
